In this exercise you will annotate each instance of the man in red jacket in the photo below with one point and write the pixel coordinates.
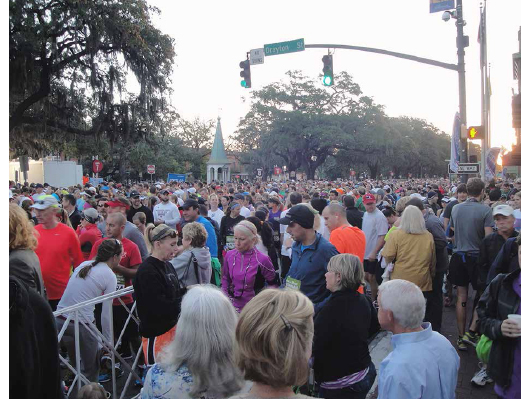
(58, 248)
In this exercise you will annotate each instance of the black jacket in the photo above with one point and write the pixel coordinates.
(34, 369)
(158, 297)
(506, 260)
(342, 331)
(227, 225)
(488, 251)
(75, 218)
(354, 216)
(148, 213)
(497, 302)
(25, 265)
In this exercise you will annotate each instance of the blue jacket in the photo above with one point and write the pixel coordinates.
(310, 266)
(211, 241)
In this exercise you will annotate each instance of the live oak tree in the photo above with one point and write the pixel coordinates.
(69, 65)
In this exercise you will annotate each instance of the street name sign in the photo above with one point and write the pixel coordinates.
(467, 169)
(284, 47)
(441, 5)
(257, 56)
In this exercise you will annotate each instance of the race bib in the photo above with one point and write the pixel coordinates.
(120, 282)
(293, 284)
(230, 242)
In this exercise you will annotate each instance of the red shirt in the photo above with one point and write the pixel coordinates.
(58, 251)
(88, 237)
(131, 257)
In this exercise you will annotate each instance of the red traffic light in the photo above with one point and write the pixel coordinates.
(475, 133)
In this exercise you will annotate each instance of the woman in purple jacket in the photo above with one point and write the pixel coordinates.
(245, 270)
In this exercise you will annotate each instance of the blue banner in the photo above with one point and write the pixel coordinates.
(441, 5)
(176, 176)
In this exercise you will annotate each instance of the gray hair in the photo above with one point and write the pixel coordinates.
(350, 269)
(405, 300)
(412, 221)
(205, 343)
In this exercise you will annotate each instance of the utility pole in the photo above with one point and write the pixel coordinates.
(462, 41)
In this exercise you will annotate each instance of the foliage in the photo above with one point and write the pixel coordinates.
(69, 63)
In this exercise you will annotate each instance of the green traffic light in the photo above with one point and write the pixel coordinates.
(243, 83)
(328, 80)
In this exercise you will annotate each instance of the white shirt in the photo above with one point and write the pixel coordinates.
(101, 280)
(284, 236)
(323, 230)
(168, 213)
(245, 212)
(216, 216)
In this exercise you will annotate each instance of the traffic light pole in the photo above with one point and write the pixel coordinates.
(461, 44)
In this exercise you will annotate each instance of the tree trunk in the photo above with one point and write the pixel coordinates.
(373, 169)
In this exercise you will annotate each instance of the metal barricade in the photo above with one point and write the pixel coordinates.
(71, 314)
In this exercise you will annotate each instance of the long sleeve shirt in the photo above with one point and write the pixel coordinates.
(168, 213)
(422, 364)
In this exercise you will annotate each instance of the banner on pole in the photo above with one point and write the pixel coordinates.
(454, 144)
(491, 160)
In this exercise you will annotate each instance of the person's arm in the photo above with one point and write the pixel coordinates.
(390, 248)
(173, 217)
(157, 219)
(268, 272)
(225, 276)
(75, 250)
(432, 265)
(488, 230)
(149, 215)
(137, 238)
(105, 315)
(374, 327)
(489, 324)
(380, 242)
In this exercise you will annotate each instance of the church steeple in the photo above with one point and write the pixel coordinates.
(218, 155)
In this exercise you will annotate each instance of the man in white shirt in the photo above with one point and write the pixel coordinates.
(166, 212)
(242, 202)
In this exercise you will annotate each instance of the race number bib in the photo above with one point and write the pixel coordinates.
(293, 284)
(230, 242)
(120, 282)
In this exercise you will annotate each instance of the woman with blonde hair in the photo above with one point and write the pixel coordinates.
(274, 338)
(200, 361)
(342, 363)
(411, 248)
(245, 269)
(23, 262)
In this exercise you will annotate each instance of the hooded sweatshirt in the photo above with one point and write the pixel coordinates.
(184, 266)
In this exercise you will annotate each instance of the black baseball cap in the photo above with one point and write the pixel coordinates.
(191, 203)
(165, 192)
(301, 215)
(134, 194)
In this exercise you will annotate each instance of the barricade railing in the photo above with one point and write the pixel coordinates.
(72, 314)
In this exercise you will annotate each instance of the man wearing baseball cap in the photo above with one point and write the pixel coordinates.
(39, 192)
(137, 206)
(310, 255)
(375, 227)
(88, 232)
(166, 212)
(58, 248)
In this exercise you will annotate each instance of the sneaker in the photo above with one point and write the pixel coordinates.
(462, 346)
(471, 338)
(481, 378)
(105, 374)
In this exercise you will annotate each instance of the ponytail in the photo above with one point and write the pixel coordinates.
(148, 235)
(106, 250)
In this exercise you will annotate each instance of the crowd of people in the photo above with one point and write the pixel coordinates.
(268, 289)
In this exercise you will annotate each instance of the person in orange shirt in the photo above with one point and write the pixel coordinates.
(347, 239)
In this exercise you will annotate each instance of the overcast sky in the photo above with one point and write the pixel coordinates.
(212, 37)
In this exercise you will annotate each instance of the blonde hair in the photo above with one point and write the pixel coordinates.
(152, 231)
(249, 229)
(350, 269)
(317, 222)
(92, 391)
(141, 217)
(274, 337)
(195, 232)
(402, 203)
(412, 221)
(21, 230)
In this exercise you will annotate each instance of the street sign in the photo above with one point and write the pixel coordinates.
(259, 172)
(151, 169)
(284, 47)
(257, 56)
(441, 5)
(467, 169)
(97, 166)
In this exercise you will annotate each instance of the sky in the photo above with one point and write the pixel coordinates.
(212, 37)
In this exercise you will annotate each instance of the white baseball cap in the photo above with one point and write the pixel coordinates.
(505, 210)
(46, 201)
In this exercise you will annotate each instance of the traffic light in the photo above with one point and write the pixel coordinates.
(475, 133)
(329, 79)
(516, 111)
(245, 74)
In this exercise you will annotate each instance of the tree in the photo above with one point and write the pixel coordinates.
(303, 123)
(68, 63)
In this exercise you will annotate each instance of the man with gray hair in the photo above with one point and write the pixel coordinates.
(423, 363)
